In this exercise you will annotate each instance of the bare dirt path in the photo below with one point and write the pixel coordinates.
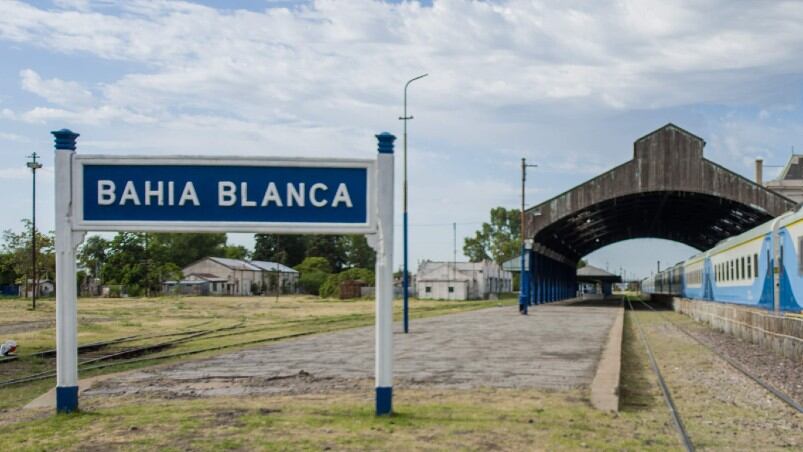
(555, 347)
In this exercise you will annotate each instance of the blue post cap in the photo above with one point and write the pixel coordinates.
(65, 139)
(385, 142)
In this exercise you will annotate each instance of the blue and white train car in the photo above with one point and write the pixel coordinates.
(762, 267)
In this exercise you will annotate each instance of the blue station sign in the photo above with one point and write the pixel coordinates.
(223, 194)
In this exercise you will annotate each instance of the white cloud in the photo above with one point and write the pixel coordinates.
(55, 90)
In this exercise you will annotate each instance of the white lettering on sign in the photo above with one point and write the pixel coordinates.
(188, 195)
(244, 191)
(295, 196)
(106, 194)
(163, 193)
(150, 192)
(342, 195)
(129, 194)
(226, 193)
(313, 199)
(272, 195)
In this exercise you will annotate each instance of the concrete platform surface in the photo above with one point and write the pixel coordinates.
(557, 346)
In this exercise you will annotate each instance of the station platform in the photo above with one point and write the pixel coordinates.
(558, 346)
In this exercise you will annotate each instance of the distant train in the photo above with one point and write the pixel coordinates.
(762, 267)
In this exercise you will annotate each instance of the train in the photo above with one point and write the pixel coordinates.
(762, 267)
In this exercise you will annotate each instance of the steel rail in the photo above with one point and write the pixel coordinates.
(52, 373)
(670, 403)
(121, 354)
(772, 389)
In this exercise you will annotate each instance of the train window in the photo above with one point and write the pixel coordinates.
(755, 267)
(732, 270)
(800, 254)
(742, 274)
(749, 268)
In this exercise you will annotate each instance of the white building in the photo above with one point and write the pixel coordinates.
(223, 276)
(461, 280)
(46, 288)
(789, 182)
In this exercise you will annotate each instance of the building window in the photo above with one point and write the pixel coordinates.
(451, 289)
(428, 289)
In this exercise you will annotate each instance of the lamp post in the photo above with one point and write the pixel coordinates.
(405, 276)
(524, 286)
(33, 165)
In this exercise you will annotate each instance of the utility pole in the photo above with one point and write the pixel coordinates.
(34, 165)
(406, 275)
(524, 289)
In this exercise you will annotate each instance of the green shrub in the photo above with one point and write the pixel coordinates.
(311, 281)
(331, 287)
(134, 290)
(314, 264)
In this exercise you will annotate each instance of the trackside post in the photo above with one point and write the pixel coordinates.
(384, 275)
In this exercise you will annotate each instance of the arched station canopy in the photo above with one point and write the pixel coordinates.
(669, 191)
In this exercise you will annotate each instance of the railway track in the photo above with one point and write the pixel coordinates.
(743, 370)
(667, 394)
(121, 356)
(135, 355)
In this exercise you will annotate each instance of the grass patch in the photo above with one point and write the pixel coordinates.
(426, 419)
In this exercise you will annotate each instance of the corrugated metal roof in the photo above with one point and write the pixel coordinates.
(236, 264)
(273, 266)
(592, 271)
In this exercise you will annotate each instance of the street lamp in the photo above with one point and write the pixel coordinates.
(33, 165)
(524, 287)
(405, 276)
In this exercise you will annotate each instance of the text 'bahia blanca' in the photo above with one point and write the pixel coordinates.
(168, 193)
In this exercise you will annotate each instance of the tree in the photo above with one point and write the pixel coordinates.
(329, 247)
(17, 247)
(289, 250)
(126, 260)
(93, 254)
(184, 249)
(357, 252)
(499, 240)
(8, 276)
(581, 263)
(236, 252)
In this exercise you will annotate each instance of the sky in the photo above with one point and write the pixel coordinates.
(569, 85)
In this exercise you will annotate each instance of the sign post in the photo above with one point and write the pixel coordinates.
(384, 278)
(66, 290)
(220, 194)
